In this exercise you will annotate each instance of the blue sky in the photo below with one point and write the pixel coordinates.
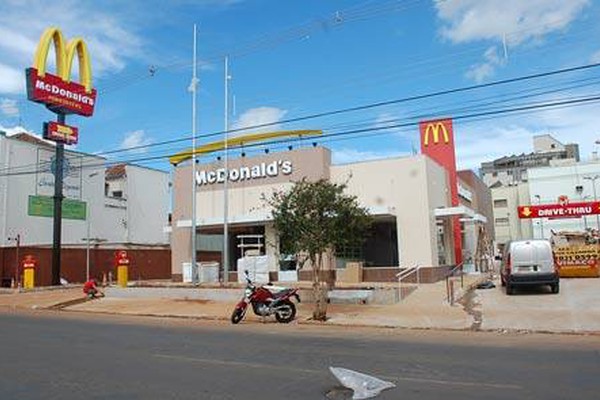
(290, 59)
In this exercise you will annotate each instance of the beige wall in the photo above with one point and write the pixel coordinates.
(507, 224)
(246, 203)
(413, 187)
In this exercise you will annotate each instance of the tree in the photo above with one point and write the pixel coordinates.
(314, 218)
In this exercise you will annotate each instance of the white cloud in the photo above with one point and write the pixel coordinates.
(385, 119)
(485, 70)
(136, 139)
(469, 20)
(12, 80)
(486, 141)
(348, 155)
(109, 35)
(511, 22)
(9, 107)
(595, 58)
(13, 130)
(259, 116)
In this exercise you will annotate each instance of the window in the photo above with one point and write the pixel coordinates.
(117, 193)
(495, 174)
(500, 203)
(501, 221)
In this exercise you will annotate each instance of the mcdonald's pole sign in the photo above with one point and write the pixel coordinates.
(58, 92)
(437, 142)
(62, 97)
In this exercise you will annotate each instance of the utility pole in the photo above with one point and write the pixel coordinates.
(193, 87)
(593, 180)
(226, 183)
(58, 198)
(539, 199)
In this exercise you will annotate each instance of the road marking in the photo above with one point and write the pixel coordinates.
(313, 371)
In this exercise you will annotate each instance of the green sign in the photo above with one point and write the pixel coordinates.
(43, 206)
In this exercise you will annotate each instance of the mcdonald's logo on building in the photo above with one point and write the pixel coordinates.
(58, 92)
(433, 130)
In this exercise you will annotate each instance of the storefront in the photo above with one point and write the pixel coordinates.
(408, 198)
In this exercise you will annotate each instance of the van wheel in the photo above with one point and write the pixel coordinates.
(555, 288)
(509, 290)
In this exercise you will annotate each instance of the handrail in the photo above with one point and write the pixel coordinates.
(450, 284)
(406, 273)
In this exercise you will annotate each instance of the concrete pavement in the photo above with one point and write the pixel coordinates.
(575, 310)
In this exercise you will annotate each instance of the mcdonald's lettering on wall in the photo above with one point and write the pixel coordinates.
(57, 92)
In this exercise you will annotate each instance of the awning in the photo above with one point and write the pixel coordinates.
(464, 213)
(458, 211)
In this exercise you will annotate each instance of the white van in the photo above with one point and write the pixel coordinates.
(528, 262)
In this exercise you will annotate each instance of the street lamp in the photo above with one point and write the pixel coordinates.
(539, 201)
(17, 240)
(593, 179)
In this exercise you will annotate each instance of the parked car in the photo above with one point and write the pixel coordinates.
(528, 263)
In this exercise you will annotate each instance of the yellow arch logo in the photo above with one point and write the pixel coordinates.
(64, 57)
(434, 129)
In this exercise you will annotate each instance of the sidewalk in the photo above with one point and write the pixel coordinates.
(575, 310)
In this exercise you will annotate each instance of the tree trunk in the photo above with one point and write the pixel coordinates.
(319, 290)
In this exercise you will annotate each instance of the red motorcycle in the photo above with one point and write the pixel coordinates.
(265, 302)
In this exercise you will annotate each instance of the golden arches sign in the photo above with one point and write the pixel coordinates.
(434, 129)
(64, 57)
(239, 141)
(57, 91)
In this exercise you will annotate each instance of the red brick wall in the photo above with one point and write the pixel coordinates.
(145, 263)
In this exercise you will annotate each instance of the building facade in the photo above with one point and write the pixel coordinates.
(578, 182)
(133, 221)
(407, 197)
(512, 170)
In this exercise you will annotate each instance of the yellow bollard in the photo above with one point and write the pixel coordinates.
(29, 264)
(122, 263)
(29, 278)
(122, 277)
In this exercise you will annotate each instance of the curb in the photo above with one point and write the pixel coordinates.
(334, 324)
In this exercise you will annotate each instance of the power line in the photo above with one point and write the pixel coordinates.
(489, 113)
(362, 107)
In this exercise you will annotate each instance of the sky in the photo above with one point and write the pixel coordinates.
(295, 59)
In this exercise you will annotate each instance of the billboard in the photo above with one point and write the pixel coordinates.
(577, 261)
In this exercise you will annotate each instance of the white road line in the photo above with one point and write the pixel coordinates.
(313, 371)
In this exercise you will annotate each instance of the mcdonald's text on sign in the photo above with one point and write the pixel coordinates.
(61, 133)
(58, 92)
(570, 210)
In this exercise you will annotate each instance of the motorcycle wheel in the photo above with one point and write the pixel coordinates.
(286, 312)
(237, 315)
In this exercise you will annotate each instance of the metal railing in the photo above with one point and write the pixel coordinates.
(450, 282)
(405, 274)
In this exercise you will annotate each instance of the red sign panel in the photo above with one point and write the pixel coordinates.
(59, 95)
(121, 258)
(437, 142)
(61, 133)
(570, 210)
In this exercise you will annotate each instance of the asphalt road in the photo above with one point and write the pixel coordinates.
(45, 356)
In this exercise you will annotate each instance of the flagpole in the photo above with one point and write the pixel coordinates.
(226, 183)
(194, 85)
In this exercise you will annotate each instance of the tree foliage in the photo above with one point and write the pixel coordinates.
(314, 218)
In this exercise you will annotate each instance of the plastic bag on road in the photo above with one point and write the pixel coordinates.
(364, 386)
